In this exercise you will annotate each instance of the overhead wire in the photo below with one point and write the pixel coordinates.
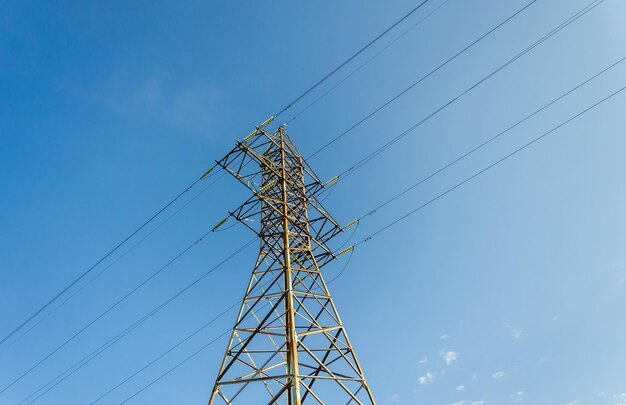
(491, 139)
(420, 80)
(106, 311)
(347, 172)
(343, 269)
(366, 239)
(485, 169)
(85, 360)
(205, 175)
(320, 149)
(189, 357)
(444, 193)
(78, 365)
(597, 2)
(178, 344)
(496, 163)
(103, 258)
(344, 63)
(180, 363)
(75, 369)
(97, 275)
(361, 66)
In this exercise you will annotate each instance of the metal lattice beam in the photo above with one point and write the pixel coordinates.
(288, 344)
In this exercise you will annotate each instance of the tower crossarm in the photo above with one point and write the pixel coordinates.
(251, 164)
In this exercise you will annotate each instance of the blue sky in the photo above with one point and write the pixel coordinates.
(510, 289)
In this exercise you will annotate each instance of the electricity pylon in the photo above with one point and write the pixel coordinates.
(288, 344)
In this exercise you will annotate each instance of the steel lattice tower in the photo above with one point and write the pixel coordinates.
(288, 344)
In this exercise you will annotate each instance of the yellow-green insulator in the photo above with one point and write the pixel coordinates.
(219, 224)
(344, 251)
(267, 186)
(267, 121)
(331, 181)
(208, 171)
(349, 224)
(247, 138)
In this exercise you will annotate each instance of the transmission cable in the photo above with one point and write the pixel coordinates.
(344, 63)
(97, 275)
(151, 313)
(389, 143)
(181, 362)
(496, 163)
(320, 97)
(116, 247)
(109, 309)
(109, 253)
(407, 215)
(197, 331)
(488, 141)
(399, 220)
(421, 79)
(483, 144)
(597, 2)
(145, 387)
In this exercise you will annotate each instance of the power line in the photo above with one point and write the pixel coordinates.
(188, 190)
(544, 38)
(200, 329)
(406, 216)
(421, 79)
(151, 313)
(82, 362)
(185, 359)
(145, 387)
(109, 253)
(311, 104)
(116, 247)
(493, 138)
(109, 309)
(91, 356)
(83, 286)
(402, 218)
(335, 70)
(516, 151)
(207, 324)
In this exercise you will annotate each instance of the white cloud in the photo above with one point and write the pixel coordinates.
(449, 356)
(423, 361)
(572, 403)
(623, 280)
(445, 336)
(460, 388)
(516, 333)
(426, 379)
(458, 403)
(481, 402)
(498, 374)
(395, 397)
